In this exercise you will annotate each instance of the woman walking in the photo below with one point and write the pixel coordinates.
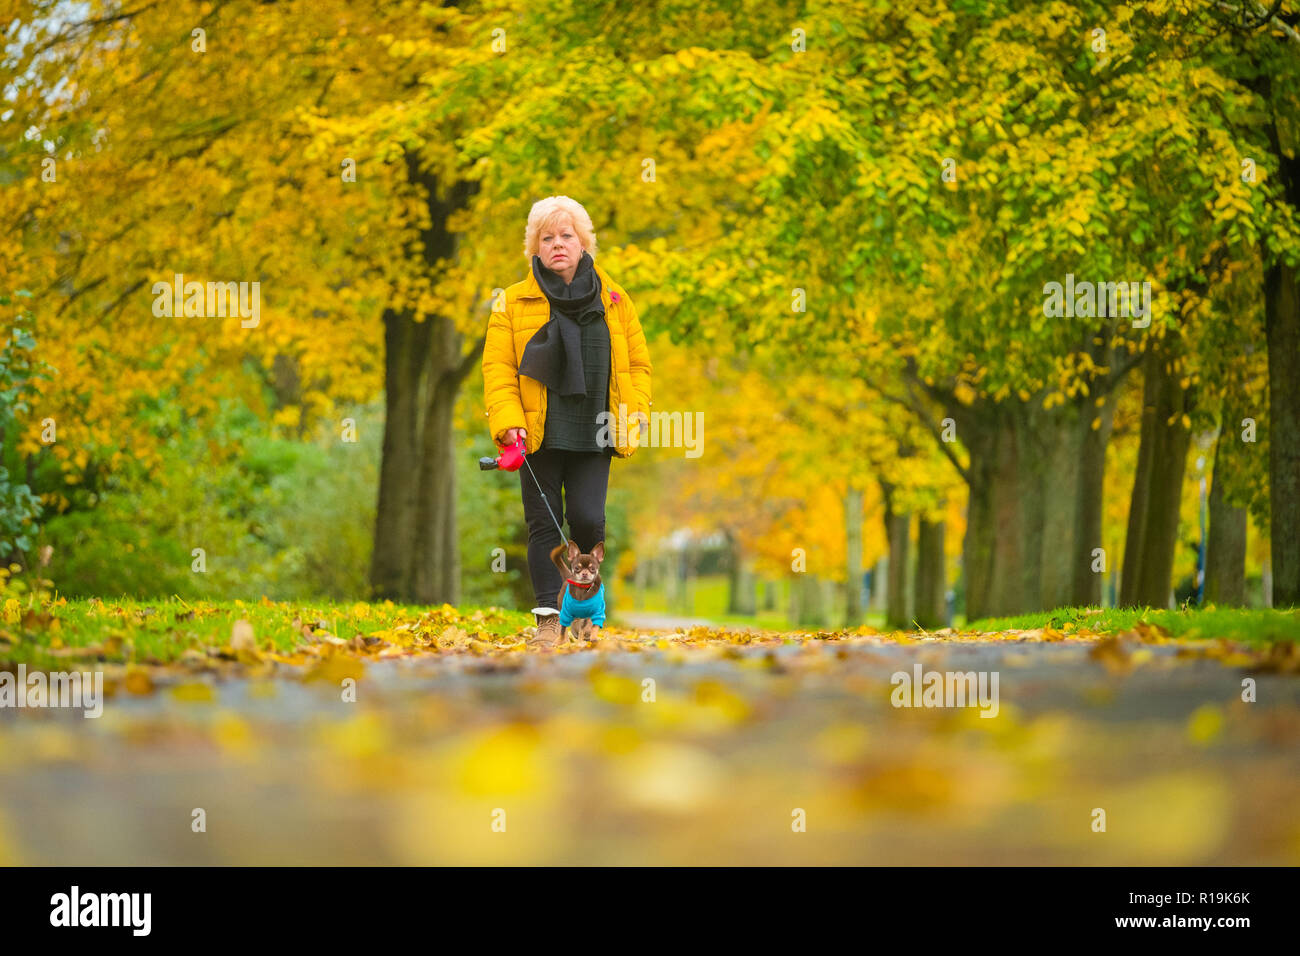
(565, 366)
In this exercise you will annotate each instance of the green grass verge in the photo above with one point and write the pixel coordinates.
(161, 631)
(1253, 625)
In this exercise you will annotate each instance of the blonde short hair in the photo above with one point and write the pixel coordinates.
(547, 212)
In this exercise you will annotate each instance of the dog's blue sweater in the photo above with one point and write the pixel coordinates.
(593, 607)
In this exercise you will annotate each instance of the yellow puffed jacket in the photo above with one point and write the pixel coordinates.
(517, 401)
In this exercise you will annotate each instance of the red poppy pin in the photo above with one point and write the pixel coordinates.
(613, 296)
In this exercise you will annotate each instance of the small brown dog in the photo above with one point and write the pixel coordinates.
(582, 596)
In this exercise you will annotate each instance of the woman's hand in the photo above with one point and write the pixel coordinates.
(514, 434)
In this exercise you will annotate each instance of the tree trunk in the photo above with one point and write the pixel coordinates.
(1013, 450)
(879, 583)
(1035, 505)
(416, 554)
(1060, 480)
(1036, 485)
(672, 575)
(1225, 549)
(742, 593)
(811, 603)
(897, 527)
(1282, 318)
(689, 569)
(1158, 483)
(640, 578)
(436, 564)
(1137, 502)
(853, 589)
(1086, 588)
(1282, 326)
(931, 609)
(405, 352)
(1004, 570)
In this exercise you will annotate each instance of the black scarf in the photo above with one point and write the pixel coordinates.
(553, 356)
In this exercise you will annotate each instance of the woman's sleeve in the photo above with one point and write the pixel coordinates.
(505, 408)
(638, 357)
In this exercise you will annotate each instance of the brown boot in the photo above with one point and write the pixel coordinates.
(548, 628)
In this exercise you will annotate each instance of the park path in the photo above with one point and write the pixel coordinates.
(668, 750)
(655, 621)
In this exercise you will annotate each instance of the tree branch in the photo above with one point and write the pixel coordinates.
(1262, 16)
(914, 405)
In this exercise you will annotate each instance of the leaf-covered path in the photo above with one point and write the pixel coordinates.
(708, 746)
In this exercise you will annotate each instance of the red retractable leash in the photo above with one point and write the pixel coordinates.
(511, 457)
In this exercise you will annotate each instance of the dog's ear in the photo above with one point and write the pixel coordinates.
(598, 552)
(574, 551)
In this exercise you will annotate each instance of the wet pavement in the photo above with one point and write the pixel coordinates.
(681, 750)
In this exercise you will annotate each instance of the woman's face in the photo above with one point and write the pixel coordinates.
(559, 249)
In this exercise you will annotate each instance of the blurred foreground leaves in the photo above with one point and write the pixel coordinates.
(467, 745)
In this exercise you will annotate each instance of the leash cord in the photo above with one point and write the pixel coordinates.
(544, 501)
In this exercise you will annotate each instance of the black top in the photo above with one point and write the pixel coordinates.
(571, 423)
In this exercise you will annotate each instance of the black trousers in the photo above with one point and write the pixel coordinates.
(584, 477)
